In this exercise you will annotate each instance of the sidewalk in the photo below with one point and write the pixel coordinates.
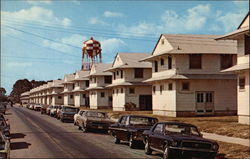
(234, 140)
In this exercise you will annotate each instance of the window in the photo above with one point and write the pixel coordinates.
(154, 88)
(114, 75)
(226, 61)
(87, 83)
(170, 86)
(242, 82)
(117, 91)
(117, 73)
(169, 62)
(247, 45)
(83, 95)
(113, 91)
(185, 86)
(107, 79)
(162, 41)
(121, 73)
(131, 91)
(102, 94)
(209, 97)
(110, 99)
(59, 97)
(71, 96)
(199, 97)
(161, 88)
(195, 61)
(121, 90)
(158, 128)
(156, 66)
(138, 72)
(162, 62)
(123, 120)
(94, 79)
(73, 87)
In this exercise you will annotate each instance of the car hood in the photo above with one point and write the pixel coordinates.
(94, 119)
(181, 137)
(70, 113)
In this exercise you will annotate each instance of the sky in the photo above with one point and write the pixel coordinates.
(42, 40)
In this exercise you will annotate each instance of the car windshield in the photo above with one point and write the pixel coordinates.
(67, 109)
(96, 114)
(142, 121)
(181, 129)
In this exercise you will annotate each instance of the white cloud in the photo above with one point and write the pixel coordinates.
(19, 64)
(96, 20)
(110, 14)
(172, 22)
(35, 2)
(112, 45)
(34, 14)
(230, 21)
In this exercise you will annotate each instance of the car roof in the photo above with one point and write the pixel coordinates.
(144, 116)
(175, 122)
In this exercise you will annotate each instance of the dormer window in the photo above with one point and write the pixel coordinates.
(195, 61)
(162, 62)
(226, 61)
(247, 45)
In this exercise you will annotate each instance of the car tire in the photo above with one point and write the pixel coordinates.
(84, 129)
(117, 141)
(166, 153)
(148, 150)
(131, 142)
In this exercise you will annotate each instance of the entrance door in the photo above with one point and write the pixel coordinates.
(87, 101)
(145, 102)
(205, 102)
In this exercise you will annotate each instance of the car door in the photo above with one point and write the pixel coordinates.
(120, 133)
(156, 136)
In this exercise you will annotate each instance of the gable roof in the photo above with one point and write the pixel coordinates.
(196, 44)
(99, 69)
(238, 32)
(68, 78)
(82, 75)
(131, 60)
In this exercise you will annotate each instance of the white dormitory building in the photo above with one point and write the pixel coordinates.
(99, 95)
(127, 86)
(242, 36)
(187, 79)
(57, 88)
(81, 82)
(68, 94)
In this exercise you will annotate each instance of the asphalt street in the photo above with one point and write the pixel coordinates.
(34, 135)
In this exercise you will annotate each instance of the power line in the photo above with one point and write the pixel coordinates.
(30, 42)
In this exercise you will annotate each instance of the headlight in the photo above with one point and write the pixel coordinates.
(215, 147)
(174, 143)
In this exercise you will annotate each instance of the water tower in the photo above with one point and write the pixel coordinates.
(91, 53)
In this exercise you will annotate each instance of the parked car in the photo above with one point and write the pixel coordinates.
(48, 109)
(3, 106)
(31, 107)
(37, 107)
(53, 110)
(4, 126)
(130, 128)
(43, 109)
(179, 140)
(77, 116)
(94, 120)
(4, 146)
(67, 113)
(58, 111)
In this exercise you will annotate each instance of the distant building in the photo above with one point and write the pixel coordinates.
(81, 82)
(99, 95)
(127, 86)
(25, 97)
(242, 35)
(187, 79)
(56, 94)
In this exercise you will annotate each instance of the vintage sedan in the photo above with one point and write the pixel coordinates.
(179, 140)
(43, 109)
(94, 120)
(77, 116)
(48, 109)
(4, 146)
(67, 113)
(4, 126)
(53, 110)
(130, 128)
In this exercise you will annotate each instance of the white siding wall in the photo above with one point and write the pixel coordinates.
(243, 100)
(119, 99)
